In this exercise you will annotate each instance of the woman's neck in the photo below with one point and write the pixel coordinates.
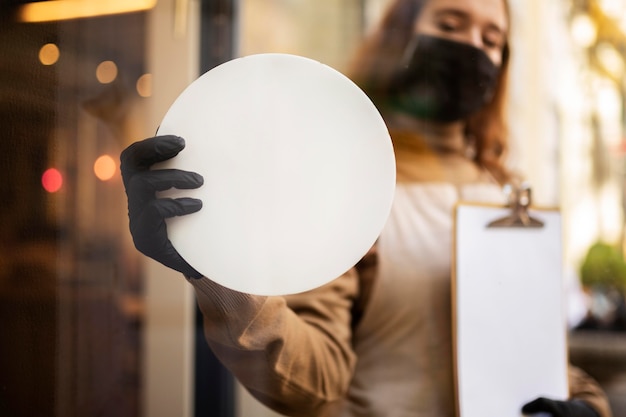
(431, 152)
(441, 138)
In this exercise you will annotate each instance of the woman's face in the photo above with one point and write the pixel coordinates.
(481, 23)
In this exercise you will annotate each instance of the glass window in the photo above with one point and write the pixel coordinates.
(71, 287)
(92, 327)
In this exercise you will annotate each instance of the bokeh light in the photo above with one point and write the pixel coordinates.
(144, 85)
(106, 72)
(584, 30)
(49, 54)
(611, 59)
(52, 180)
(104, 167)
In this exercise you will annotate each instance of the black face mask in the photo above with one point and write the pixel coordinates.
(443, 80)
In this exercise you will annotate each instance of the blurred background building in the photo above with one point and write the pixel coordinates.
(90, 327)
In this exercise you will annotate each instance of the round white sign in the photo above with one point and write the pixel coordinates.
(299, 173)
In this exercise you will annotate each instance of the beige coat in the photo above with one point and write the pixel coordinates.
(376, 341)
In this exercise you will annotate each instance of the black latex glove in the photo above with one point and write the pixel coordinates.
(146, 212)
(571, 408)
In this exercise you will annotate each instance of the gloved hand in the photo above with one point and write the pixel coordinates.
(146, 212)
(570, 408)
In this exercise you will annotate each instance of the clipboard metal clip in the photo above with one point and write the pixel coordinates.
(519, 202)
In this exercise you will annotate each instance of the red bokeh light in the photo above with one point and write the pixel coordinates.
(52, 180)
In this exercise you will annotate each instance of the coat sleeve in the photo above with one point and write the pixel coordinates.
(293, 353)
(583, 387)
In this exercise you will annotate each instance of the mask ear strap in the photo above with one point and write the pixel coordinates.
(409, 51)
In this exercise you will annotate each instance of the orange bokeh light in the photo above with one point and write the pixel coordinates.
(104, 168)
(106, 72)
(49, 54)
(144, 85)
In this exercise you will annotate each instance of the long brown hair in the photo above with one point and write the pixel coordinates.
(378, 57)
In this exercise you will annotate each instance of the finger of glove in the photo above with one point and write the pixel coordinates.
(538, 405)
(143, 186)
(151, 218)
(559, 408)
(141, 155)
(172, 207)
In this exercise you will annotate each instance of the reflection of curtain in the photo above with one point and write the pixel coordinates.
(372, 11)
(600, 161)
(326, 30)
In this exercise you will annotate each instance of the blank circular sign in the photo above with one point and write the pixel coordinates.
(299, 173)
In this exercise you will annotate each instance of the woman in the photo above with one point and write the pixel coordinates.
(376, 341)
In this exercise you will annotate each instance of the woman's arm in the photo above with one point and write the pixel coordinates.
(292, 353)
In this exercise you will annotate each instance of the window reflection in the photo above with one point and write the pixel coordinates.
(70, 292)
(74, 93)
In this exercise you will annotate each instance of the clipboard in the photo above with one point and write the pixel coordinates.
(508, 300)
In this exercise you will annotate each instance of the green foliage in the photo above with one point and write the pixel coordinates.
(605, 267)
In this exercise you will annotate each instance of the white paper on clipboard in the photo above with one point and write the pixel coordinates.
(510, 331)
